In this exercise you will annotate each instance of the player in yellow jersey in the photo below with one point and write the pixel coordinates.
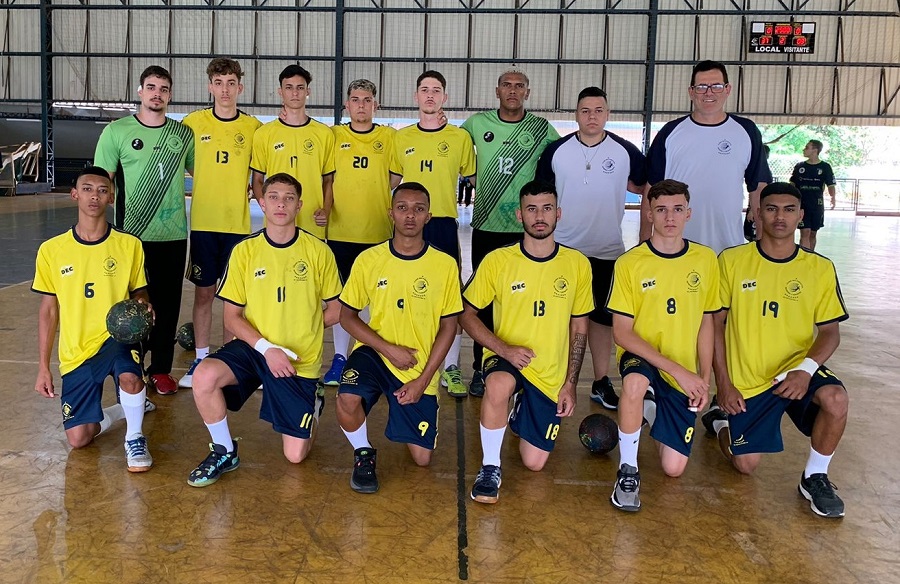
(81, 274)
(412, 291)
(663, 295)
(300, 146)
(780, 325)
(436, 154)
(275, 279)
(362, 195)
(220, 208)
(542, 295)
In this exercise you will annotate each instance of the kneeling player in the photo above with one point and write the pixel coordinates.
(783, 305)
(82, 273)
(412, 291)
(542, 295)
(663, 295)
(273, 288)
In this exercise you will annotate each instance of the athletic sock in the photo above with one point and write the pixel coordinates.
(628, 447)
(491, 442)
(221, 434)
(202, 352)
(718, 425)
(358, 438)
(452, 357)
(133, 410)
(111, 415)
(341, 339)
(817, 463)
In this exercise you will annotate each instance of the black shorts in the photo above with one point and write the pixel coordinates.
(441, 232)
(813, 213)
(345, 253)
(209, 256)
(601, 276)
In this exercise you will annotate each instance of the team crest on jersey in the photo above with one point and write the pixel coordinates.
(137, 144)
(748, 285)
(608, 166)
(206, 138)
(793, 289)
(109, 266)
(801, 170)
(345, 145)
(66, 271)
(378, 146)
(67, 412)
(409, 151)
(560, 287)
(516, 287)
(420, 287)
(301, 271)
(279, 146)
(724, 147)
(443, 149)
(693, 281)
(350, 376)
(308, 146)
(239, 139)
(526, 140)
(259, 273)
(488, 137)
(174, 143)
(648, 284)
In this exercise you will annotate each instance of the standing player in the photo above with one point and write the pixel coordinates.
(276, 278)
(790, 298)
(151, 153)
(362, 195)
(592, 169)
(542, 294)
(220, 210)
(82, 273)
(663, 296)
(412, 290)
(716, 154)
(435, 154)
(508, 142)
(300, 146)
(812, 177)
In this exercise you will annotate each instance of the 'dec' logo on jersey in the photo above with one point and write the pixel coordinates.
(382, 283)
(205, 138)
(410, 151)
(345, 145)
(648, 284)
(137, 144)
(259, 273)
(66, 271)
(517, 287)
(748, 285)
(279, 146)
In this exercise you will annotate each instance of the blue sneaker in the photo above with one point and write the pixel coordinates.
(188, 379)
(217, 462)
(333, 377)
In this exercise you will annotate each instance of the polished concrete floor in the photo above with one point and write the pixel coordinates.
(78, 516)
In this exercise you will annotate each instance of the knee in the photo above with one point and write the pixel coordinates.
(745, 464)
(347, 404)
(422, 458)
(674, 469)
(130, 383)
(535, 465)
(834, 400)
(634, 387)
(79, 439)
(295, 455)
(204, 378)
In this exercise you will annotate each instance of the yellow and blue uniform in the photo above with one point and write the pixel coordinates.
(305, 152)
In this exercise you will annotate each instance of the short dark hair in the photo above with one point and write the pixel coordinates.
(224, 66)
(708, 66)
(817, 145)
(156, 71)
(779, 188)
(432, 75)
(92, 171)
(536, 187)
(282, 178)
(668, 187)
(412, 186)
(294, 71)
(591, 92)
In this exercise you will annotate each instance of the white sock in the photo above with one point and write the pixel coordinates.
(452, 357)
(111, 415)
(817, 463)
(221, 434)
(650, 411)
(133, 410)
(341, 340)
(358, 438)
(628, 447)
(718, 425)
(202, 352)
(491, 442)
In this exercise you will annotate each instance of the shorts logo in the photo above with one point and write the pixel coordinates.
(239, 139)
(608, 166)
(308, 146)
(66, 271)
(648, 284)
(301, 271)
(259, 273)
(491, 363)
(196, 271)
(488, 136)
(382, 283)
(526, 140)
(739, 441)
(279, 146)
(748, 285)
(443, 149)
(724, 147)
(109, 266)
(137, 144)
(631, 362)
(517, 287)
(378, 146)
(205, 138)
(793, 289)
(693, 281)
(350, 377)
(420, 286)
(174, 143)
(410, 151)
(560, 287)
(67, 412)
(345, 145)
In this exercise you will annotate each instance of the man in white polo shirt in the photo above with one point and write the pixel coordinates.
(592, 169)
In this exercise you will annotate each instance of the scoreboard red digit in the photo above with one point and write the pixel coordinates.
(783, 37)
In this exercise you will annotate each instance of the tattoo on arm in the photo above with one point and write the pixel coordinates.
(576, 357)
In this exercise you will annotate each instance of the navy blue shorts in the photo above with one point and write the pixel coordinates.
(533, 417)
(601, 279)
(82, 387)
(345, 253)
(674, 425)
(759, 428)
(366, 375)
(288, 403)
(441, 232)
(209, 256)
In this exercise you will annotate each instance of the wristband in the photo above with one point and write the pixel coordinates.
(808, 365)
(263, 345)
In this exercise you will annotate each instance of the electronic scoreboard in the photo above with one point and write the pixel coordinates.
(783, 37)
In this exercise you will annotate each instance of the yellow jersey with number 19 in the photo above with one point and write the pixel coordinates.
(773, 309)
(667, 296)
(222, 148)
(534, 301)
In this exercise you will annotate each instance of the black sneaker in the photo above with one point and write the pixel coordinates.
(819, 491)
(363, 479)
(217, 462)
(714, 413)
(487, 484)
(602, 392)
(476, 388)
(627, 492)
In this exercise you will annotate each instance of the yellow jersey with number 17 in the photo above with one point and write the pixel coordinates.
(773, 309)
(534, 301)
(222, 148)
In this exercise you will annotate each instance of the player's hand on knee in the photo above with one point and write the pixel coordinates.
(411, 392)
(565, 405)
(730, 400)
(794, 386)
(44, 384)
(518, 357)
(402, 358)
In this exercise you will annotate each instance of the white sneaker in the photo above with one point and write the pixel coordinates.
(137, 456)
(149, 406)
(188, 379)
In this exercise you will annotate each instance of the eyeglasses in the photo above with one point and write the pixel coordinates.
(703, 88)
